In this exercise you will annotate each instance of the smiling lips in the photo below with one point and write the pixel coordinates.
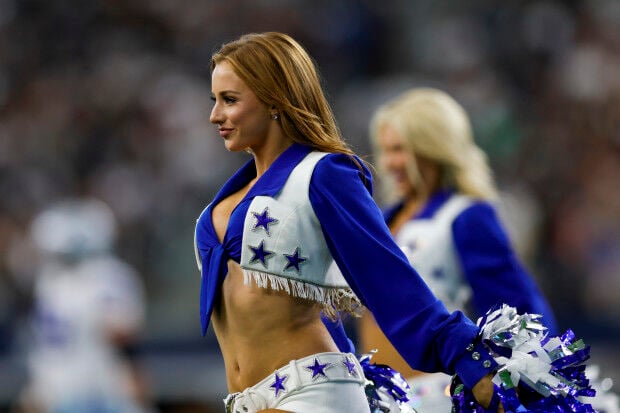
(224, 132)
(400, 176)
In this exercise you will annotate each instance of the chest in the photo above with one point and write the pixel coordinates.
(430, 247)
(221, 212)
(429, 241)
(403, 216)
(68, 307)
(426, 241)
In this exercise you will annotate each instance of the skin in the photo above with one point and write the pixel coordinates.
(395, 158)
(258, 330)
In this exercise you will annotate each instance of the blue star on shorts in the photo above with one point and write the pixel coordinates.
(350, 366)
(278, 384)
(318, 368)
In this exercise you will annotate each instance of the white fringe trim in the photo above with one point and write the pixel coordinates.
(333, 299)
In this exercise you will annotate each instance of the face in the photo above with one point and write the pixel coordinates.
(243, 120)
(396, 158)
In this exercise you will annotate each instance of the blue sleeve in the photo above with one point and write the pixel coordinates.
(419, 326)
(492, 268)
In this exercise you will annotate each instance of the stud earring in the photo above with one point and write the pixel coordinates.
(275, 116)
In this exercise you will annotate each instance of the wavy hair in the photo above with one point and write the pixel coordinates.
(282, 75)
(437, 127)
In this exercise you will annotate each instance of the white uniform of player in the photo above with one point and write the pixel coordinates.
(82, 295)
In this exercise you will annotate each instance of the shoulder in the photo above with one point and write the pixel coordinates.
(391, 210)
(480, 222)
(338, 169)
(476, 210)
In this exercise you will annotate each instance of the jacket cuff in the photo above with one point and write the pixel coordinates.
(474, 364)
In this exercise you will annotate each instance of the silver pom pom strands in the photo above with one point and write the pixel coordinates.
(536, 373)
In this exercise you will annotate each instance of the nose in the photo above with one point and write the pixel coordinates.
(216, 116)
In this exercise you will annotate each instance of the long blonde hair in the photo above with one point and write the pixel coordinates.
(282, 75)
(437, 127)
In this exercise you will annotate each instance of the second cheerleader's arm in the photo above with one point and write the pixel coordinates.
(493, 269)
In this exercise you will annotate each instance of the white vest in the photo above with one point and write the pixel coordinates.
(283, 247)
(429, 246)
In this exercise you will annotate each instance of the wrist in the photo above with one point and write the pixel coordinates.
(475, 363)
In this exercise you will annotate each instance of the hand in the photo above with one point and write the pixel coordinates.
(483, 392)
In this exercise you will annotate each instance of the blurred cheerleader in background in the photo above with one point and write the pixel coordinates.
(445, 221)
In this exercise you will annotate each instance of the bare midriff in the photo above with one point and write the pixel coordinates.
(260, 330)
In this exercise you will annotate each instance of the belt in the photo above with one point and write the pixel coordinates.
(297, 374)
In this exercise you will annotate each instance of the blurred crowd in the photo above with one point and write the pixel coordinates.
(110, 99)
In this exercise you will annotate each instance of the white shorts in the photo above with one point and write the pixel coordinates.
(320, 383)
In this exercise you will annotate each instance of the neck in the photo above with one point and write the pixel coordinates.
(414, 200)
(412, 204)
(265, 156)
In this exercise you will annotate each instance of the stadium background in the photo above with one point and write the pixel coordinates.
(111, 98)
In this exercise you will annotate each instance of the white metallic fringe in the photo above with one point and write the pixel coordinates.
(333, 299)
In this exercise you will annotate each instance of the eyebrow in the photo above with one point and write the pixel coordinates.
(225, 92)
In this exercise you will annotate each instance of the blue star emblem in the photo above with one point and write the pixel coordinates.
(412, 245)
(350, 366)
(264, 220)
(438, 273)
(318, 368)
(260, 254)
(294, 260)
(278, 384)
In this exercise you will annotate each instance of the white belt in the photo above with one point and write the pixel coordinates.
(314, 369)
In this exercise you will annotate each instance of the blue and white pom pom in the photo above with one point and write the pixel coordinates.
(536, 373)
(386, 389)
